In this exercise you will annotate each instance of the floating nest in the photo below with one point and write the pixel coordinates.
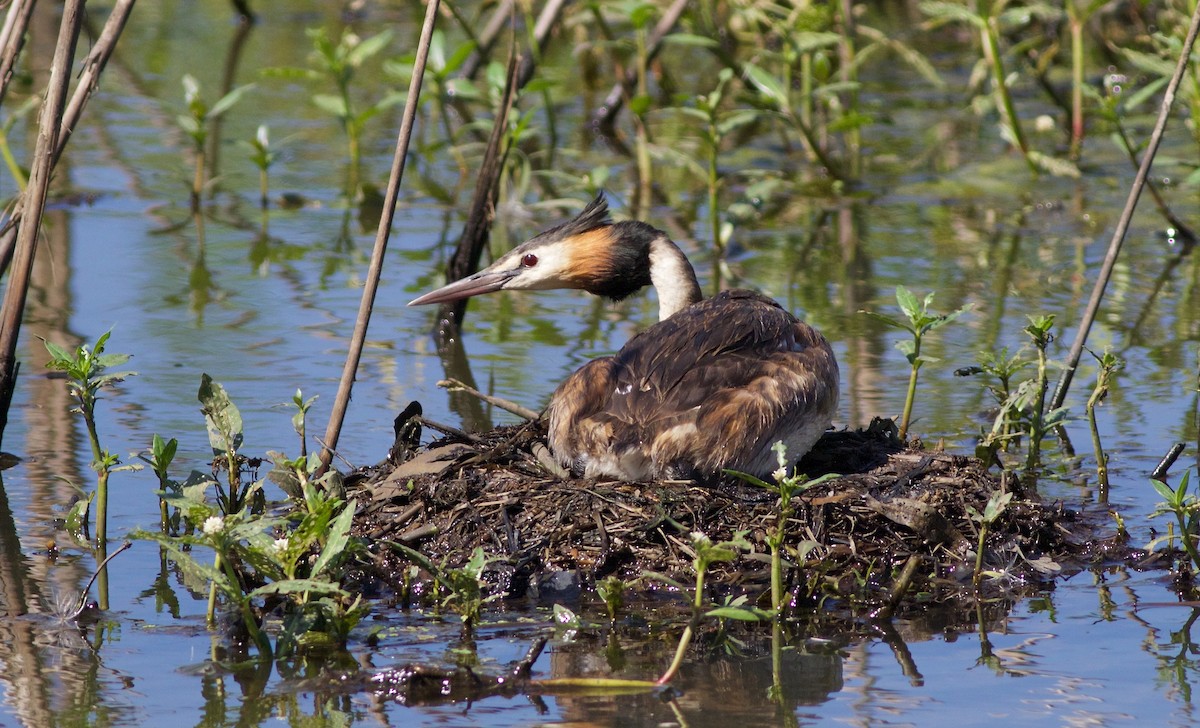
(847, 540)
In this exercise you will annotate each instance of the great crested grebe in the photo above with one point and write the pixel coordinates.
(712, 386)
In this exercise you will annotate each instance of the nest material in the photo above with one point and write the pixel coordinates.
(846, 537)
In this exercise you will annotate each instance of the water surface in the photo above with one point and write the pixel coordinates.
(265, 305)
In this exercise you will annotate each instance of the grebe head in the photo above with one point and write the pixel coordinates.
(590, 253)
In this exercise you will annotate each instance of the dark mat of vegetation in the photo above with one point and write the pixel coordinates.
(849, 536)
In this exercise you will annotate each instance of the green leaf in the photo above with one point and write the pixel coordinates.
(744, 614)
(367, 48)
(227, 101)
(188, 564)
(642, 14)
(908, 302)
(767, 84)
(809, 41)
(298, 586)
(690, 39)
(952, 12)
(1149, 63)
(884, 318)
(735, 120)
(459, 56)
(1164, 490)
(189, 125)
(77, 517)
(640, 104)
(221, 416)
(940, 321)
(339, 535)
(1054, 165)
(335, 105)
(60, 358)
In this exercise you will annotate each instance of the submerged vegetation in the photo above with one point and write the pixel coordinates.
(724, 118)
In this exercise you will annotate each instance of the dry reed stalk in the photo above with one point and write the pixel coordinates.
(375, 271)
(1118, 238)
(41, 167)
(89, 79)
(12, 38)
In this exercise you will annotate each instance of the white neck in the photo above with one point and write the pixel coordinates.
(673, 278)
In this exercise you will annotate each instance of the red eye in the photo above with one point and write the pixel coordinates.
(529, 260)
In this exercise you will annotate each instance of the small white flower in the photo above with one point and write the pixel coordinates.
(213, 525)
(779, 474)
(280, 545)
(1044, 123)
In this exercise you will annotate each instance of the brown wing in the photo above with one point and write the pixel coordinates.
(711, 387)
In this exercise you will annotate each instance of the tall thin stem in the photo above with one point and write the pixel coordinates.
(912, 388)
(35, 201)
(1118, 238)
(375, 271)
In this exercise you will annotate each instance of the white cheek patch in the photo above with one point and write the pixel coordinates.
(549, 273)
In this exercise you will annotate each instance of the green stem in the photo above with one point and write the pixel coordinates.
(912, 388)
(198, 178)
(978, 575)
(777, 575)
(1076, 24)
(211, 614)
(102, 506)
(260, 638)
(991, 49)
(89, 418)
(1101, 458)
(686, 637)
(1187, 538)
(677, 662)
(9, 161)
(1037, 428)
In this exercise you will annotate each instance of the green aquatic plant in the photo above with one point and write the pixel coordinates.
(920, 321)
(88, 370)
(441, 75)
(1021, 405)
(262, 155)
(996, 505)
(1078, 15)
(806, 69)
(1185, 507)
(991, 19)
(162, 454)
(338, 61)
(1039, 331)
(1003, 369)
(196, 121)
(1109, 365)
(705, 553)
(225, 436)
(465, 591)
(717, 125)
(788, 484)
(266, 562)
(611, 590)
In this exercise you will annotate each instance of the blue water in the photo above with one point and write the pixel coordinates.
(275, 317)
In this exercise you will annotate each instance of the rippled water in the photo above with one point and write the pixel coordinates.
(266, 304)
